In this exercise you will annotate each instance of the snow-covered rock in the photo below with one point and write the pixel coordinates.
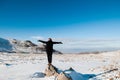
(28, 46)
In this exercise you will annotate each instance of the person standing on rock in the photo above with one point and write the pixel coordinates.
(49, 48)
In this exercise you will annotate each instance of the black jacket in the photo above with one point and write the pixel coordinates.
(49, 44)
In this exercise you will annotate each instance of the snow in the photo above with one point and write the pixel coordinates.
(19, 66)
(5, 45)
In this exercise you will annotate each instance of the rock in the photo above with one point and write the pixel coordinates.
(51, 71)
(62, 76)
(111, 79)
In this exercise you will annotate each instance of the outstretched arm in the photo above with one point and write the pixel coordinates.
(42, 41)
(57, 43)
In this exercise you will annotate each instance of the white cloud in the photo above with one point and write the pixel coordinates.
(37, 37)
(67, 43)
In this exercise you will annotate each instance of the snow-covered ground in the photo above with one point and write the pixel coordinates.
(19, 66)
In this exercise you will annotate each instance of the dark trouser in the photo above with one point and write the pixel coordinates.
(49, 56)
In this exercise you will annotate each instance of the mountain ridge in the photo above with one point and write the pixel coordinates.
(14, 45)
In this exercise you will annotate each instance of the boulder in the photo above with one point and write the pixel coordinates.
(51, 71)
(62, 76)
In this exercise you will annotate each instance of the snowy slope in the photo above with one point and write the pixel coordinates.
(5, 45)
(102, 66)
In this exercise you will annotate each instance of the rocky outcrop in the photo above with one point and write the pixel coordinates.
(69, 74)
(29, 46)
(26, 46)
(51, 71)
(62, 76)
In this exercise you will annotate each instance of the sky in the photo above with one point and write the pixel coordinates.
(60, 19)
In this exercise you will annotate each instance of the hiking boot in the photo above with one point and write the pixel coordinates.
(49, 64)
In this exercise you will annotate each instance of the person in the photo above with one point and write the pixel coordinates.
(49, 48)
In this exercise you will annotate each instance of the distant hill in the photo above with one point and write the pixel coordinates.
(27, 46)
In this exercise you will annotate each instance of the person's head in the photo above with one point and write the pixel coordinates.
(49, 39)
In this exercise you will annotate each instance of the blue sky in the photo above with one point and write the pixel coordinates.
(63, 19)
